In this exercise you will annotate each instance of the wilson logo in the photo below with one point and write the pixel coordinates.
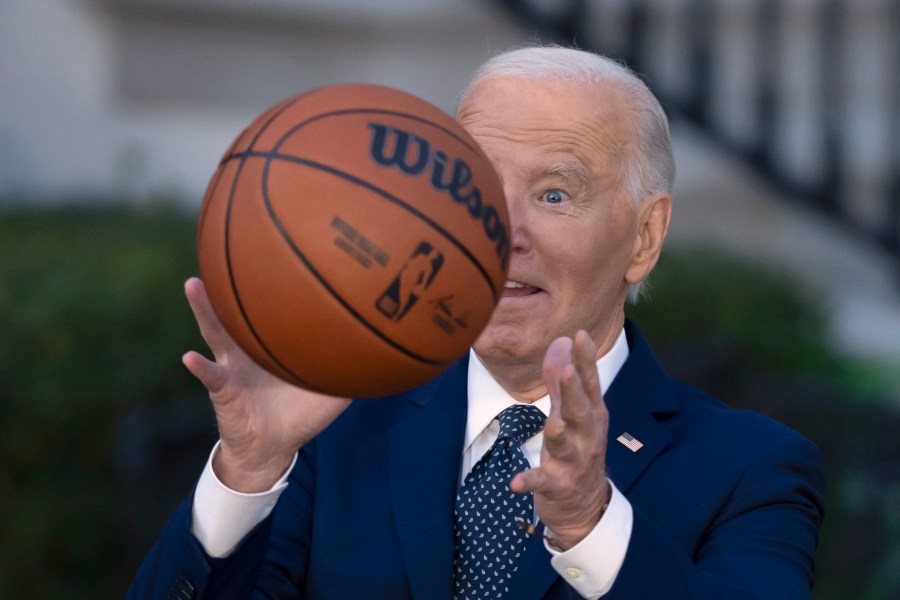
(413, 155)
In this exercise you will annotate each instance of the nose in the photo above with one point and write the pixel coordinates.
(520, 241)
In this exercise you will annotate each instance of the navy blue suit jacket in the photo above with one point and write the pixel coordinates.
(727, 504)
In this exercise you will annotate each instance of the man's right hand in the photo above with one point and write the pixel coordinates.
(262, 420)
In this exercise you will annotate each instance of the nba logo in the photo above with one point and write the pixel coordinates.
(411, 282)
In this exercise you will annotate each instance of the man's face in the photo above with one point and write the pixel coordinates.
(559, 149)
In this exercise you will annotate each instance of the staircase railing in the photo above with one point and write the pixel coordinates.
(808, 93)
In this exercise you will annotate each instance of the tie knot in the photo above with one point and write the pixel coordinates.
(520, 422)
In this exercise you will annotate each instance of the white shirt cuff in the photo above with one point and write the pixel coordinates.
(591, 566)
(222, 516)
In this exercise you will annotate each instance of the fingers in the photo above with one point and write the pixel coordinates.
(584, 355)
(529, 480)
(558, 440)
(558, 355)
(211, 328)
(557, 362)
(212, 375)
(561, 452)
(570, 373)
(575, 432)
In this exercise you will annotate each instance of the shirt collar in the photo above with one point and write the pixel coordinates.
(487, 398)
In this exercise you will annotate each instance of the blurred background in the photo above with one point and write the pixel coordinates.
(778, 290)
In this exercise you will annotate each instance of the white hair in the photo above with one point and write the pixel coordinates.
(651, 168)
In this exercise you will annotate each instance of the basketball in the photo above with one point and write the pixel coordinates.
(354, 240)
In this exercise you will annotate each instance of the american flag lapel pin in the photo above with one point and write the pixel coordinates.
(630, 442)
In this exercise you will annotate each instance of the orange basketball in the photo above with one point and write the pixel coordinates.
(354, 240)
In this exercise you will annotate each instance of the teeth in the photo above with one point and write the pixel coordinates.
(513, 285)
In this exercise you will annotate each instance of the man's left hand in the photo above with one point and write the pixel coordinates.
(570, 486)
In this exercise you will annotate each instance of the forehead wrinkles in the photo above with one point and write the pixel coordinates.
(592, 121)
(593, 145)
(569, 169)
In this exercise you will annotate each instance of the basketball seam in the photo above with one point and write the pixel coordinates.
(396, 200)
(371, 327)
(387, 196)
(350, 111)
(231, 277)
(352, 178)
(274, 153)
(269, 156)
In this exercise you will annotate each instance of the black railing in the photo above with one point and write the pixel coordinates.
(837, 40)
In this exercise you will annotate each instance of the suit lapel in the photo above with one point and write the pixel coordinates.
(639, 394)
(425, 453)
(623, 465)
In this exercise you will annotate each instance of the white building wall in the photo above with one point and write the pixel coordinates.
(141, 97)
(136, 98)
(54, 96)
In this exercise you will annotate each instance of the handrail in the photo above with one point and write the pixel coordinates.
(870, 210)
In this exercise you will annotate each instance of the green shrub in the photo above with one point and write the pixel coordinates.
(102, 431)
(758, 339)
(94, 323)
(734, 311)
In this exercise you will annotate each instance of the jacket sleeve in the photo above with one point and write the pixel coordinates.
(760, 544)
(270, 562)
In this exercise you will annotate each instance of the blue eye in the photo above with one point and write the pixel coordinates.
(554, 196)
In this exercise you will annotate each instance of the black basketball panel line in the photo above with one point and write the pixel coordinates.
(380, 111)
(349, 111)
(384, 193)
(237, 296)
(242, 157)
(437, 227)
(278, 111)
(324, 282)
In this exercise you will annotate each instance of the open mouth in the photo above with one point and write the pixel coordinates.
(515, 289)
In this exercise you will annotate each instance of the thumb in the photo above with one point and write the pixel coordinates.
(212, 375)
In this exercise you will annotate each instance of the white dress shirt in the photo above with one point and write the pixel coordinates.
(222, 517)
(590, 566)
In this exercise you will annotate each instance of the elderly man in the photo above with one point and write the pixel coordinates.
(637, 486)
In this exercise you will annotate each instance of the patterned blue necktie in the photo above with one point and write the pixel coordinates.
(488, 540)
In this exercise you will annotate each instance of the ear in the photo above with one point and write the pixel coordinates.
(652, 226)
